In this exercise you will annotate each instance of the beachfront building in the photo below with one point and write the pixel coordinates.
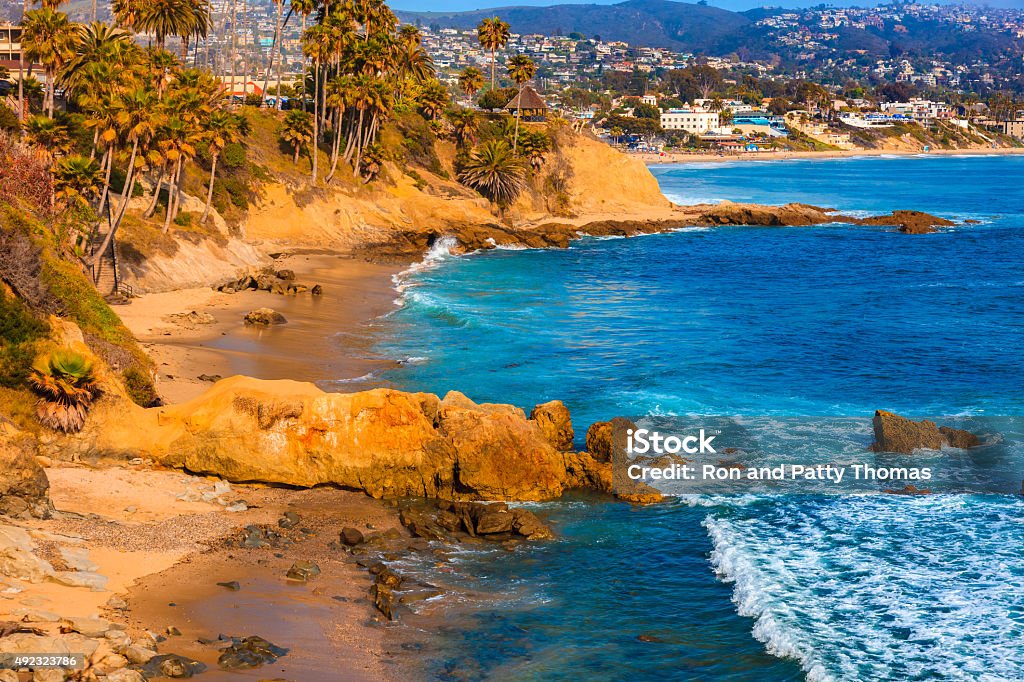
(529, 105)
(695, 121)
(10, 46)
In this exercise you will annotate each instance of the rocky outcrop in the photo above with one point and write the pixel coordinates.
(894, 433)
(387, 443)
(280, 282)
(409, 244)
(910, 222)
(555, 423)
(23, 484)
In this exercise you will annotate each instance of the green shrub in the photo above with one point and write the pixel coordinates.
(233, 156)
(184, 219)
(140, 387)
(19, 332)
(9, 120)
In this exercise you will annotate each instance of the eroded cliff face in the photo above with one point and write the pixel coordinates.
(387, 443)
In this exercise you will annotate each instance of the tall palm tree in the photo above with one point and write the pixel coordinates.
(521, 69)
(274, 49)
(220, 130)
(493, 34)
(179, 139)
(433, 100)
(126, 12)
(304, 9)
(471, 80)
(496, 172)
(340, 96)
(48, 37)
(182, 18)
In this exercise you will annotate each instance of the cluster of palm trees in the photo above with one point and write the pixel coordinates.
(144, 112)
(362, 69)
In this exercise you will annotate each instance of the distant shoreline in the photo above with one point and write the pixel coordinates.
(653, 159)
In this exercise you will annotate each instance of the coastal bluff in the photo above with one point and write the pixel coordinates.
(384, 442)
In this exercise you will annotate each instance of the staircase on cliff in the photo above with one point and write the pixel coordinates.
(105, 274)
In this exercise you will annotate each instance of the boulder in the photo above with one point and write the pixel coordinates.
(605, 440)
(490, 522)
(894, 433)
(265, 316)
(351, 536)
(302, 571)
(555, 423)
(24, 487)
(287, 275)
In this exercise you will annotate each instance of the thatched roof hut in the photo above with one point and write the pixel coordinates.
(528, 104)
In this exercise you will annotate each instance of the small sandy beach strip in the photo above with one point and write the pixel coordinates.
(325, 339)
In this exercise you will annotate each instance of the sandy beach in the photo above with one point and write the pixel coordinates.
(651, 158)
(325, 338)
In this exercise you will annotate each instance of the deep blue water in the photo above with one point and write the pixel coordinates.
(809, 321)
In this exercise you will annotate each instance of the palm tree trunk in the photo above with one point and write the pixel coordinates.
(280, 61)
(493, 64)
(171, 195)
(303, 78)
(151, 209)
(179, 187)
(359, 145)
(125, 198)
(335, 144)
(106, 179)
(273, 48)
(350, 143)
(298, 148)
(21, 87)
(519, 115)
(209, 192)
(316, 139)
(94, 11)
(234, 47)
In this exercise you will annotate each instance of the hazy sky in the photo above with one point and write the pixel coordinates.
(462, 5)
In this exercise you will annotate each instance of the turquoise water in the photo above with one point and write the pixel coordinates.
(750, 322)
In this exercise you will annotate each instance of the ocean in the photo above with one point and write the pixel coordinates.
(765, 325)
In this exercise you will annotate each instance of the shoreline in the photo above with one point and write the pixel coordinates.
(652, 159)
(325, 339)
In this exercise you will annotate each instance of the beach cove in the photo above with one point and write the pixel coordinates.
(445, 335)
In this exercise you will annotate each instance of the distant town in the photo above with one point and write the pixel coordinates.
(815, 91)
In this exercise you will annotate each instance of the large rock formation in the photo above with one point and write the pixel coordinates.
(894, 433)
(23, 483)
(387, 443)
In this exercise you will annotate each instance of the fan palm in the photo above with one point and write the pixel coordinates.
(521, 69)
(50, 134)
(464, 124)
(297, 131)
(49, 38)
(471, 80)
(77, 180)
(495, 171)
(66, 386)
(433, 100)
(493, 34)
(533, 147)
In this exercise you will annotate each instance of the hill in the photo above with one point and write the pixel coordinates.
(652, 23)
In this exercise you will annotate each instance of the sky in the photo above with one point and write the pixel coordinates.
(735, 5)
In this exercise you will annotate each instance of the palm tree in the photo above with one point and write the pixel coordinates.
(433, 100)
(126, 12)
(464, 125)
(521, 68)
(274, 48)
(304, 8)
(139, 120)
(182, 18)
(340, 96)
(534, 146)
(297, 131)
(496, 172)
(471, 80)
(48, 38)
(77, 180)
(50, 134)
(220, 130)
(66, 385)
(409, 35)
(493, 34)
(179, 139)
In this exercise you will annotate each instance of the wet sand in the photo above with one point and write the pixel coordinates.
(328, 625)
(325, 339)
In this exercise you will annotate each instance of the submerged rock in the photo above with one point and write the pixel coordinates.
(249, 652)
(232, 585)
(894, 433)
(173, 666)
(265, 316)
(302, 571)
